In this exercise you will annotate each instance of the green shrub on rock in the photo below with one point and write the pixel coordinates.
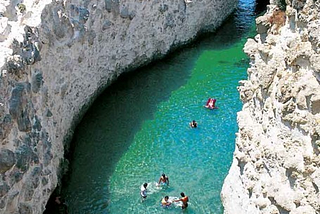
(22, 7)
(281, 4)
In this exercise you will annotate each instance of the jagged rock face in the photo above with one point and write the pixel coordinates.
(276, 165)
(56, 57)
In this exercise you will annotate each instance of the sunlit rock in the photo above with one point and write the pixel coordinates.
(280, 117)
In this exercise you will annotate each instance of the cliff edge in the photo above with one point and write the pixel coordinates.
(56, 56)
(276, 164)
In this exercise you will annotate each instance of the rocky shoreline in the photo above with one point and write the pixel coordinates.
(56, 57)
(276, 164)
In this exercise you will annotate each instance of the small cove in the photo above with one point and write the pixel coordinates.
(138, 129)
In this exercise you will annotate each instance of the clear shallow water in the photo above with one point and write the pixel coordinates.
(138, 128)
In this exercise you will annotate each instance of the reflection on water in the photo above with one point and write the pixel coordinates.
(138, 128)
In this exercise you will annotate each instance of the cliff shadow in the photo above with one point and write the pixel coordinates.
(109, 126)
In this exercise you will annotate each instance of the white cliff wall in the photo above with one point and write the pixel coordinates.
(56, 56)
(276, 164)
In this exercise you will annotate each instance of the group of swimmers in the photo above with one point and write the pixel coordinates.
(211, 104)
(184, 199)
(164, 180)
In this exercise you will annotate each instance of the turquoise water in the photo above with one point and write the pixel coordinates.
(138, 129)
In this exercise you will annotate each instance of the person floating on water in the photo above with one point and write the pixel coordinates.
(143, 190)
(165, 202)
(184, 199)
(163, 180)
(193, 124)
(211, 103)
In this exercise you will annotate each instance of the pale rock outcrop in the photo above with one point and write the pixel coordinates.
(56, 57)
(276, 162)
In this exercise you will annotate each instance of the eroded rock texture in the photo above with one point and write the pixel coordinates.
(275, 169)
(55, 57)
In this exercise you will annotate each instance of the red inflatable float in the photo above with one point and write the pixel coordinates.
(211, 103)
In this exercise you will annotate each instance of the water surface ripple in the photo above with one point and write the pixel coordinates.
(138, 129)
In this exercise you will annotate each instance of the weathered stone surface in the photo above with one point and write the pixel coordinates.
(2, 203)
(5, 28)
(276, 162)
(16, 101)
(25, 208)
(112, 5)
(48, 113)
(18, 107)
(61, 54)
(262, 27)
(16, 175)
(303, 210)
(314, 34)
(315, 104)
(31, 183)
(44, 181)
(15, 64)
(124, 13)
(37, 124)
(4, 189)
(106, 24)
(316, 179)
(24, 156)
(81, 13)
(7, 160)
(37, 81)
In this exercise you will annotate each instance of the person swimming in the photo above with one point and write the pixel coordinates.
(163, 180)
(211, 103)
(165, 202)
(184, 199)
(193, 124)
(143, 190)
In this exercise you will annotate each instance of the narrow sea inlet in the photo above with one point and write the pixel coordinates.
(139, 128)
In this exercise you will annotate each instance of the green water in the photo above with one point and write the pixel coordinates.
(138, 128)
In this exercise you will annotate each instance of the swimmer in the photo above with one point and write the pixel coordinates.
(211, 103)
(165, 202)
(164, 180)
(184, 199)
(193, 124)
(143, 190)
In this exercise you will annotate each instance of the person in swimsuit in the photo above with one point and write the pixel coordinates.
(193, 124)
(184, 199)
(165, 202)
(211, 103)
(143, 190)
(164, 180)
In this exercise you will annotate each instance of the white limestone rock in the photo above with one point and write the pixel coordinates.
(4, 28)
(276, 162)
(303, 210)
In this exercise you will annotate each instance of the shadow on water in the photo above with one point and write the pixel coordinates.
(129, 101)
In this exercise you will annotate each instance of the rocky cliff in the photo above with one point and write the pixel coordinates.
(56, 56)
(276, 164)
